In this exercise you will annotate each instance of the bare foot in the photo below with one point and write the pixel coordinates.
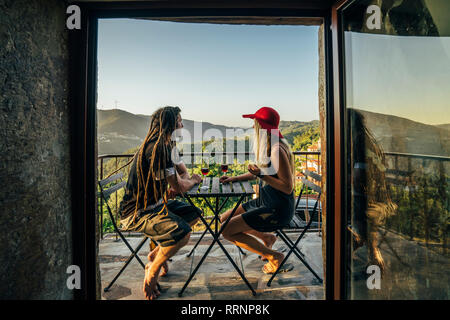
(274, 262)
(377, 258)
(268, 242)
(149, 287)
(164, 268)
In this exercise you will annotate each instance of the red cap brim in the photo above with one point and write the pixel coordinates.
(251, 116)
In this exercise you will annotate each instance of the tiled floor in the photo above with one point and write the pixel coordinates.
(216, 279)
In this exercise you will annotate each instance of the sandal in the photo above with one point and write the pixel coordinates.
(265, 269)
(285, 268)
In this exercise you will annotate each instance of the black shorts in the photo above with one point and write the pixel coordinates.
(274, 211)
(168, 229)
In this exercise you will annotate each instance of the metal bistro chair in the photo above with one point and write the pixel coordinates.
(297, 223)
(105, 193)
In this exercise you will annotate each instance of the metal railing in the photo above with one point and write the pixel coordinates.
(401, 169)
(310, 160)
(421, 184)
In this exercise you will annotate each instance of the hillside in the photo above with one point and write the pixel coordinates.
(396, 134)
(444, 126)
(292, 129)
(119, 130)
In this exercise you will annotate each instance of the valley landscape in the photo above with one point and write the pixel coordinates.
(120, 131)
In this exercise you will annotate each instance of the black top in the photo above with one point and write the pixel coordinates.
(128, 204)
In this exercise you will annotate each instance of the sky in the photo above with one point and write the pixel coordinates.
(407, 77)
(214, 73)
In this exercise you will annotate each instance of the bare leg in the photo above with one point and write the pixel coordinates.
(165, 267)
(374, 212)
(236, 232)
(224, 216)
(268, 238)
(152, 269)
(375, 256)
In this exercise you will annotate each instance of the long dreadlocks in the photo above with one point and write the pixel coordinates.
(162, 125)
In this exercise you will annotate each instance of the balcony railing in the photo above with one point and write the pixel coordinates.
(110, 162)
(419, 185)
(420, 179)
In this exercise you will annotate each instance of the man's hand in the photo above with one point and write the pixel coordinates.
(171, 193)
(253, 169)
(226, 179)
(196, 178)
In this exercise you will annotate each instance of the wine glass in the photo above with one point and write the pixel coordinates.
(224, 168)
(205, 168)
(205, 171)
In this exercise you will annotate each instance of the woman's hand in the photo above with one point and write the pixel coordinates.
(196, 178)
(226, 179)
(253, 169)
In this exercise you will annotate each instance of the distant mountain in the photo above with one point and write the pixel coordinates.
(444, 126)
(396, 134)
(119, 130)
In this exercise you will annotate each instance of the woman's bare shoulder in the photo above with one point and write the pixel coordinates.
(277, 147)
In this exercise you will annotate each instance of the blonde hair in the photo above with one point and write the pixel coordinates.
(262, 147)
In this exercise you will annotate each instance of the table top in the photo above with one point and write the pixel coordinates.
(217, 189)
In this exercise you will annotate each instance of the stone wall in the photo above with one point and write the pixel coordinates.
(35, 200)
(323, 141)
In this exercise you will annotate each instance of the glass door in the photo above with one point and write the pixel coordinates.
(397, 122)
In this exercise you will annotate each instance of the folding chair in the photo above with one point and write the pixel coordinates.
(297, 223)
(301, 216)
(105, 193)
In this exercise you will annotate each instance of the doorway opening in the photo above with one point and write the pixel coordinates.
(215, 70)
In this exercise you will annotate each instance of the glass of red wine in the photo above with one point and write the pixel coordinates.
(205, 171)
(224, 168)
(205, 168)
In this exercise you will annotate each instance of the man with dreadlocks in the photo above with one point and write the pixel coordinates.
(145, 206)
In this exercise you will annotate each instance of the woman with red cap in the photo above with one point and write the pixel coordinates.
(274, 208)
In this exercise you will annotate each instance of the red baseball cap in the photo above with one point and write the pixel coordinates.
(268, 118)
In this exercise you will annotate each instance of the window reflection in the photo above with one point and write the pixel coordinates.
(398, 123)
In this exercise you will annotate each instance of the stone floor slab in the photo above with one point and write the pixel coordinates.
(216, 279)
